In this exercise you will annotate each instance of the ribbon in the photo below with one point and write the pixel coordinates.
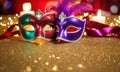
(101, 30)
(9, 32)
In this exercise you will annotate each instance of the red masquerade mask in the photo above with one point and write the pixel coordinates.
(32, 27)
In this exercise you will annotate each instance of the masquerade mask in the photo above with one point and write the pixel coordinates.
(39, 26)
(69, 29)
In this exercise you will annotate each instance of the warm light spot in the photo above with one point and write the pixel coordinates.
(80, 17)
(86, 14)
(8, 23)
(17, 15)
(16, 22)
(53, 56)
(29, 57)
(17, 28)
(29, 28)
(1, 18)
(99, 18)
(57, 57)
(35, 61)
(27, 6)
(2, 24)
(9, 18)
(116, 24)
(85, 33)
(46, 63)
(99, 13)
(114, 19)
(38, 15)
(108, 18)
(118, 21)
(47, 28)
(14, 17)
(90, 16)
(111, 24)
(55, 68)
(70, 68)
(28, 69)
(50, 56)
(39, 58)
(16, 35)
(80, 65)
(119, 17)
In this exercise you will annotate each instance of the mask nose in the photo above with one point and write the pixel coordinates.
(39, 32)
(61, 34)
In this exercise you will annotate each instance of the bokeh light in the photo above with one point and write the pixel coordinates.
(7, 4)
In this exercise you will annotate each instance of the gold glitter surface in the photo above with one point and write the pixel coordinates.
(90, 54)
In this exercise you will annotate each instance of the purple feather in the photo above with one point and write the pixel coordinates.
(80, 8)
(63, 6)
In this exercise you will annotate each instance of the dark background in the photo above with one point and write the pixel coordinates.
(16, 5)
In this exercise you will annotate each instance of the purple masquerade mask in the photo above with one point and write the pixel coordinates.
(69, 29)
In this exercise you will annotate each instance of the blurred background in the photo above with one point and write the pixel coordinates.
(90, 54)
(15, 6)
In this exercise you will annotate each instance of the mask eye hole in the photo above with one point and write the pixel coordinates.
(29, 28)
(48, 27)
(72, 29)
(57, 28)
